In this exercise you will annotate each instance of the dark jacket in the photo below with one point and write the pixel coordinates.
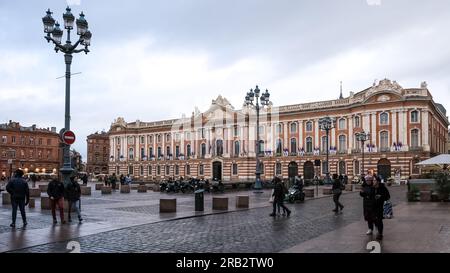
(278, 192)
(18, 188)
(73, 191)
(373, 206)
(336, 186)
(55, 189)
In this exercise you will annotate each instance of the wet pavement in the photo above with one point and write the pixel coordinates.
(132, 223)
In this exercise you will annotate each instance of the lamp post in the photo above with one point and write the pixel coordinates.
(326, 124)
(54, 34)
(362, 137)
(254, 95)
(11, 154)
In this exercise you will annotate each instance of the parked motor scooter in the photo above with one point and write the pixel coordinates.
(295, 193)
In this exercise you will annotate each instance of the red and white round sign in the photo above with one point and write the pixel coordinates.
(68, 137)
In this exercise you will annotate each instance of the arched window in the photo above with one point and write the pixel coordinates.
(167, 170)
(237, 148)
(309, 145)
(131, 154)
(219, 147)
(342, 124)
(323, 144)
(168, 151)
(293, 145)
(158, 138)
(415, 116)
(177, 151)
(203, 148)
(177, 170)
(278, 168)
(279, 128)
(309, 126)
(159, 152)
(357, 142)
(142, 153)
(384, 118)
(149, 169)
(234, 169)
(141, 170)
(261, 146)
(158, 170)
(188, 170)
(342, 143)
(200, 169)
(188, 150)
(357, 122)
(384, 141)
(293, 127)
(279, 146)
(356, 168)
(415, 138)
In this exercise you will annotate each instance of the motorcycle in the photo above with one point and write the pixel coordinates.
(294, 194)
(163, 186)
(186, 187)
(217, 186)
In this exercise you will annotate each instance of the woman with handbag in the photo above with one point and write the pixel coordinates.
(337, 191)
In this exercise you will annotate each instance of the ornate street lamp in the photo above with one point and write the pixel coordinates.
(254, 95)
(54, 34)
(326, 124)
(362, 137)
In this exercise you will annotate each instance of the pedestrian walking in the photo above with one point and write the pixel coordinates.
(33, 178)
(278, 195)
(113, 181)
(17, 187)
(128, 179)
(337, 191)
(122, 179)
(85, 179)
(374, 195)
(106, 180)
(73, 194)
(55, 191)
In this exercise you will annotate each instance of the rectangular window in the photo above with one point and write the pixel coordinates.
(142, 140)
(158, 170)
(309, 126)
(177, 170)
(236, 131)
(130, 170)
(4, 139)
(141, 170)
(167, 170)
(149, 170)
(13, 140)
(278, 169)
(49, 142)
(40, 141)
(188, 170)
(31, 141)
(200, 169)
(235, 169)
(187, 136)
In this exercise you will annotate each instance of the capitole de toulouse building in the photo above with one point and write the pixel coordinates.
(405, 125)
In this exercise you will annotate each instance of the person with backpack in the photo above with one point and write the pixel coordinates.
(73, 194)
(55, 192)
(337, 191)
(17, 187)
(278, 194)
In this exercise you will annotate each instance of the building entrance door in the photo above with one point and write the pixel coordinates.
(217, 170)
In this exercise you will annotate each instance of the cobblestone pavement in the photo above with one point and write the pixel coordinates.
(239, 231)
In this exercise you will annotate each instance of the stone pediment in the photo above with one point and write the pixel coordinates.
(221, 101)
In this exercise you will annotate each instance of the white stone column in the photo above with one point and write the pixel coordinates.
(316, 133)
(163, 148)
(394, 127)
(172, 148)
(125, 147)
(332, 137)
(405, 132)
(137, 150)
(285, 135)
(146, 147)
(300, 134)
(373, 130)
(350, 134)
(112, 147)
(425, 136)
(182, 143)
(154, 146)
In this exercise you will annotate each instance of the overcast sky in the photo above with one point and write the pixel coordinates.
(154, 60)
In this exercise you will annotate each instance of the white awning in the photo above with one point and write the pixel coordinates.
(443, 159)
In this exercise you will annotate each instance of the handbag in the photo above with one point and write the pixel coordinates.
(388, 213)
(271, 196)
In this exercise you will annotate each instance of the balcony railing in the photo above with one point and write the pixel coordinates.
(357, 150)
(416, 149)
(385, 149)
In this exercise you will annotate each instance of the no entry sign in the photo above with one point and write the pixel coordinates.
(68, 137)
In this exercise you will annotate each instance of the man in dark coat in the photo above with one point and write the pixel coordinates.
(337, 191)
(375, 194)
(73, 194)
(55, 192)
(17, 187)
(278, 195)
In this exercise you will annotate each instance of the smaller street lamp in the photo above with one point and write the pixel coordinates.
(362, 137)
(326, 124)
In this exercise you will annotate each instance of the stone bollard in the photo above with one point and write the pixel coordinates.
(6, 198)
(45, 202)
(142, 188)
(32, 203)
(85, 190)
(106, 190)
(43, 188)
(327, 191)
(242, 201)
(124, 189)
(168, 205)
(156, 187)
(309, 192)
(220, 203)
(35, 193)
(425, 196)
(98, 186)
(349, 187)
